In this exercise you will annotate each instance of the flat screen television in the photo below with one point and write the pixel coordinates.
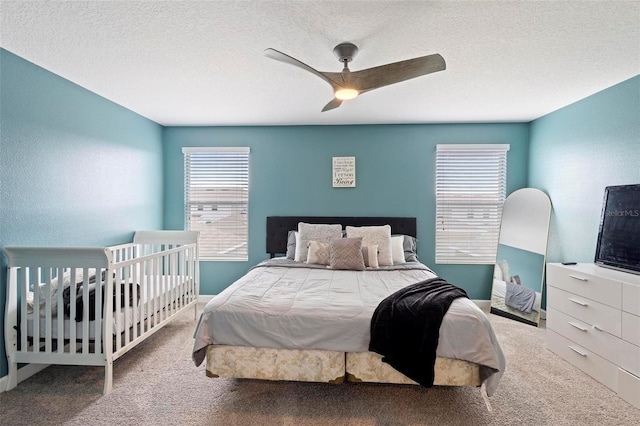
(618, 244)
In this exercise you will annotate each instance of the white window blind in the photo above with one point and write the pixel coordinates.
(217, 199)
(470, 191)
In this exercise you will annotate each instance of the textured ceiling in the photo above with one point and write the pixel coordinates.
(202, 63)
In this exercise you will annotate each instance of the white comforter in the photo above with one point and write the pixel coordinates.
(284, 304)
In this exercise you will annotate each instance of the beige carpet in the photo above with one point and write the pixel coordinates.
(157, 383)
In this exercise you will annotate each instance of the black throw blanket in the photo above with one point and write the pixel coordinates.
(68, 299)
(405, 327)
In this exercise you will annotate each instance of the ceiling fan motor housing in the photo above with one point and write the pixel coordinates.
(345, 51)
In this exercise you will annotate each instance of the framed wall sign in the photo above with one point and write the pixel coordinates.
(344, 172)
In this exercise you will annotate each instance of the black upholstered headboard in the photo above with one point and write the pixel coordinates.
(278, 227)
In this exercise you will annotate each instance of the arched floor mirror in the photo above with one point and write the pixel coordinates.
(520, 260)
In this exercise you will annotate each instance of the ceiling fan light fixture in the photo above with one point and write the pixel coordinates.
(346, 94)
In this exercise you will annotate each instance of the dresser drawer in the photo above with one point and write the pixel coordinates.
(631, 298)
(598, 341)
(631, 328)
(630, 357)
(593, 313)
(597, 367)
(575, 279)
(629, 387)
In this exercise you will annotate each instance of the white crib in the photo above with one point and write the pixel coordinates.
(57, 312)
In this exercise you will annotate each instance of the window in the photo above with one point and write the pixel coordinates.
(216, 191)
(470, 192)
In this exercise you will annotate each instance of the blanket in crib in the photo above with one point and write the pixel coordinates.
(79, 302)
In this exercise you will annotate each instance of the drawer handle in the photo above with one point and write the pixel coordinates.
(579, 302)
(575, 277)
(596, 327)
(577, 351)
(579, 327)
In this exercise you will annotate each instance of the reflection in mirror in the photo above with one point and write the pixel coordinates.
(519, 270)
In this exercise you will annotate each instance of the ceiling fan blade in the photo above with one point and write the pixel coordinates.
(373, 78)
(334, 103)
(283, 57)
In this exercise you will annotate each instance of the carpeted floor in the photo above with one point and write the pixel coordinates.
(157, 384)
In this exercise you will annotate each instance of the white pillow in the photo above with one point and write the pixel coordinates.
(375, 235)
(397, 249)
(497, 272)
(314, 232)
(54, 286)
(506, 274)
(370, 255)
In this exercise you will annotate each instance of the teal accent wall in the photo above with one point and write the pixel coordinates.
(75, 168)
(575, 153)
(290, 174)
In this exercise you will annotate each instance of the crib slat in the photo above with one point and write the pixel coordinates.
(46, 281)
(35, 279)
(73, 276)
(136, 317)
(23, 291)
(124, 308)
(85, 311)
(60, 310)
(97, 324)
(149, 294)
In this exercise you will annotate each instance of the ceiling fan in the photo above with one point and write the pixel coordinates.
(347, 84)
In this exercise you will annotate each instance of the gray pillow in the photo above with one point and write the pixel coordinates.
(346, 253)
(316, 232)
(291, 245)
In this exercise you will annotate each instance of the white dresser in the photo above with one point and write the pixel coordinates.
(593, 321)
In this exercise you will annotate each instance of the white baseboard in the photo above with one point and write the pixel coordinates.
(204, 298)
(23, 374)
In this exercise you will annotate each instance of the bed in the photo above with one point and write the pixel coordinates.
(294, 320)
(91, 305)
